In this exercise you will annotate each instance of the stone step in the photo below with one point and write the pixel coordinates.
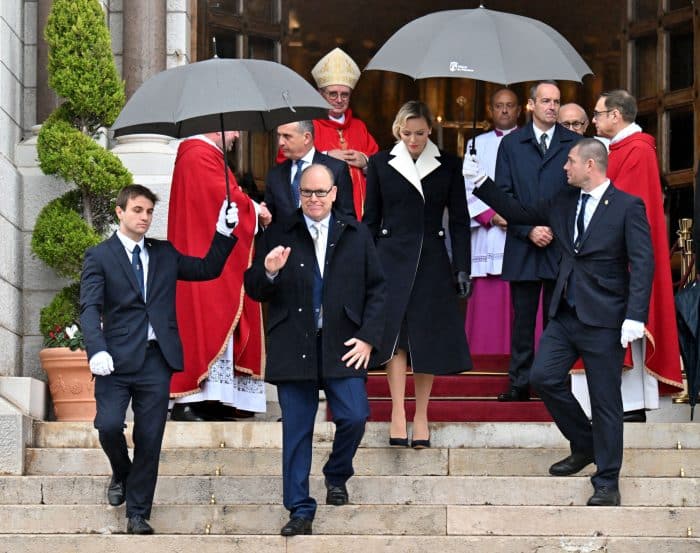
(443, 435)
(364, 490)
(169, 543)
(368, 462)
(416, 520)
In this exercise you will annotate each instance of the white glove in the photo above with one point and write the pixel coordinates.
(473, 171)
(101, 364)
(228, 218)
(631, 331)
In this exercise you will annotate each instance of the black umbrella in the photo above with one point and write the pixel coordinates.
(218, 94)
(687, 307)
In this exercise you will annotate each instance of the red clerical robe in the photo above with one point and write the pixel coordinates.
(210, 312)
(351, 135)
(632, 167)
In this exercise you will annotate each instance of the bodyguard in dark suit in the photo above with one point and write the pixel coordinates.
(127, 315)
(296, 141)
(321, 275)
(600, 304)
(529, 167)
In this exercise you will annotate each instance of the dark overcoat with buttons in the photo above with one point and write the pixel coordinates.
(404, 211)
(523, 172)
(353, 298)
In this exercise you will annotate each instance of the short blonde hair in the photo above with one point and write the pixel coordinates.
(411, 110)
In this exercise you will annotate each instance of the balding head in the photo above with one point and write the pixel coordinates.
(573, 117)
(505, 109)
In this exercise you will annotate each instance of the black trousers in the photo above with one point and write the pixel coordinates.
(149, 391)
(563, 341)
(525, 296)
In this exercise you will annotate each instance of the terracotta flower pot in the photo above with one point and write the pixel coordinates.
(70, 383)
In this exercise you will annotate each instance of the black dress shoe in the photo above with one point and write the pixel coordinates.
(398, 442)
(116, 492)
(336, 495)
(515, 394)
(605, 497)
(296, 526)
(186, 413)
(571, 465)
(216, 411)
(138, 525)
(638, 415)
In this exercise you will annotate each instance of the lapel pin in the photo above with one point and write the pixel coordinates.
(606, 202)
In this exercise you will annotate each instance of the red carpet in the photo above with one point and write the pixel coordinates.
(467, 397)
(467, 411)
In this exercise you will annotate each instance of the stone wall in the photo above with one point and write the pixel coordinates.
(16, 75)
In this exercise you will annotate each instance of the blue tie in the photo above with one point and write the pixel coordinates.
(138, 268)
(296, 181)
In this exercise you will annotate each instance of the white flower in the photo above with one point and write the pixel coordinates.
(71, 330)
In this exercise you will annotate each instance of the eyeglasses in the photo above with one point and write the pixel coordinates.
(334, 95)
(576, 125)
(318, 193)
(597, 114)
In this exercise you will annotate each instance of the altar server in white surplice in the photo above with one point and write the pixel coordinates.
(489, 318)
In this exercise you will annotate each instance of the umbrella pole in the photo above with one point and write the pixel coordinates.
(223, 147)
(472, 149)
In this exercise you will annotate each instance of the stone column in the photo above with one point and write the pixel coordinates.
(46, 99)
(144, 41)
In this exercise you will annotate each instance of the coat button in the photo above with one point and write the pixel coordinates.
(385, 232)
(301, 264)
(441, 233)
(299, 310)
(303, 356)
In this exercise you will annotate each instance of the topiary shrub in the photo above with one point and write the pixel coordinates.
(82, 72)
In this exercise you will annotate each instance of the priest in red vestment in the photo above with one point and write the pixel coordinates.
(341, 135)
(220, 326)
(633, 168)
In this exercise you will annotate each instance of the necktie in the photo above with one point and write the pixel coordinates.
(580, 227)
(318, 234)
(296, 181)
(138, 268)
(543, 143)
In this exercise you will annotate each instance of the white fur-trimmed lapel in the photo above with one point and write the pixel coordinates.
(415, 172)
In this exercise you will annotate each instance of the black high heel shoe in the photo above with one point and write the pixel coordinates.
(420, 444)
(398, 442)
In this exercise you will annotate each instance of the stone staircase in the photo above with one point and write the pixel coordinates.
(481, 488)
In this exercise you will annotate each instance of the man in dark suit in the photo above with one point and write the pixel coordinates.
(127, 315)
(529, 167)
(321, 274)
(296, 141)
(600, 304)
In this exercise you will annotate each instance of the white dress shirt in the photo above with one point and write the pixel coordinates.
(129, 246)
(595, 195)
(538, 134)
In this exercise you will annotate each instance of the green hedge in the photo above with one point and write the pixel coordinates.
(82, 72)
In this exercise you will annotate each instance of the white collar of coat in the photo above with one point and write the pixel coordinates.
(423, 166)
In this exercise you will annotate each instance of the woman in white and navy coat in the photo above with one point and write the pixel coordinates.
(408, 189)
